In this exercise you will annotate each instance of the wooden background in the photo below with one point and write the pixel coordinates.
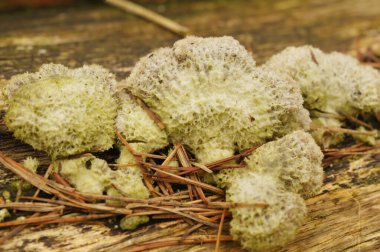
(345, 216)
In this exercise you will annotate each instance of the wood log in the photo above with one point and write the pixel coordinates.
(343, 217)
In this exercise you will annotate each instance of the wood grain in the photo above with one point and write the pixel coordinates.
(343, 217)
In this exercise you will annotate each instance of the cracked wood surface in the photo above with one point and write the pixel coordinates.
(343, 217)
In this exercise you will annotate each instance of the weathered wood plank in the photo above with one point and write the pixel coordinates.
(343, 217)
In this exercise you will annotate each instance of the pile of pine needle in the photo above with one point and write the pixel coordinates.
(178, 195)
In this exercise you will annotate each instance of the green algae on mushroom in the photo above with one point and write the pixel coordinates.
(63, 111)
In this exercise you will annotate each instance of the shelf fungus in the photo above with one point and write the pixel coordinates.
(334, 86)
(63, 111)
(212, 98)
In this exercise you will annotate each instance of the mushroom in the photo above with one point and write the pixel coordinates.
(143, 136)
(293, 160)
(212, 98)
(141, 132)
(332, 84)
(264, 228)
(278, 173)
(63, 111)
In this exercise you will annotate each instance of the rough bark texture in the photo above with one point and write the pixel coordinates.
(344, 216)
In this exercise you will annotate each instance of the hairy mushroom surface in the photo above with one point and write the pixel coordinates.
(63, 111)
(212, 98)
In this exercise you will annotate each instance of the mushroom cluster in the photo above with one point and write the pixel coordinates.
(211, 97)
(333, 86)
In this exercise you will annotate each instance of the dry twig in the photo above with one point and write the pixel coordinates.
(150, 15)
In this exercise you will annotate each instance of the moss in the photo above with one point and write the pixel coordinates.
(31, 164)
(4, 213)
(131, 223)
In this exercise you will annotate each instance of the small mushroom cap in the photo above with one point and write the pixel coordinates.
(330, 82)
(264, 228)
(294, 160)
(63, 111)
(93, 175)
(322, 136)
(212, 98)
(87, 174)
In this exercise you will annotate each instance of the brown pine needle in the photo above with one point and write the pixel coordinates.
(125, 143)
(14, 231)
(191, 230)
(171, 155)
(313, 58)
(357, 121)
(71, 219)
(30, 220)
(191, 182)
(201, 166)
(223, 161)
(150, 15)
(47, 174)
(192, 239)
(155, 118)
(186, 215)
(61, 180)
(32, 206)
(217, 245)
